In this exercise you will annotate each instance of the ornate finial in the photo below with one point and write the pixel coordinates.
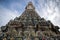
(30, 6)
(30, 2)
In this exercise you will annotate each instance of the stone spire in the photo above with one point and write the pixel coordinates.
(30, 6)
(29, 16)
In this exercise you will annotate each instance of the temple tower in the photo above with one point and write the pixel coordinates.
(30, 24)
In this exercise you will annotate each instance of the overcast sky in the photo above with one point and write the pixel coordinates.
(49, 9)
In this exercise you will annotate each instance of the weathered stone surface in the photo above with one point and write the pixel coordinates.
(29, 26)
